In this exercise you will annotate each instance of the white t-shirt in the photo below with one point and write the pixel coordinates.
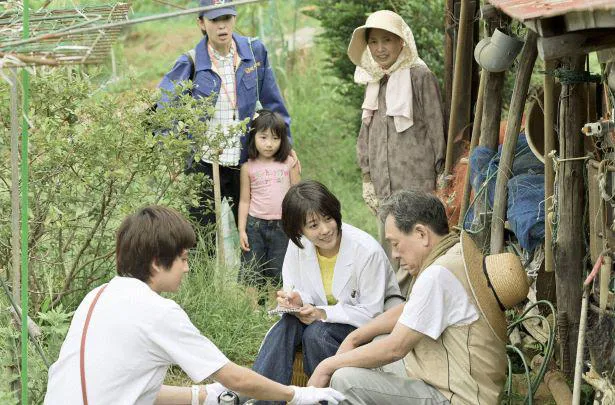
(438, 300)
(133, 337)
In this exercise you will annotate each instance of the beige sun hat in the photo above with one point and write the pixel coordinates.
(383, 19)
(498, 282)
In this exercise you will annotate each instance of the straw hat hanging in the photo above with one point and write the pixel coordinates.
(498, 283)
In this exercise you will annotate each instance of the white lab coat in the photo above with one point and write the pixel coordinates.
(362, 278)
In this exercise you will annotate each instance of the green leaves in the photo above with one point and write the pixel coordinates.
(96, 156)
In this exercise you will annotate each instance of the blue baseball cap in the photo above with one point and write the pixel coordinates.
(218, 12)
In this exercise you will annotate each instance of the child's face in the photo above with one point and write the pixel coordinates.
(267, 144)
(219, 31)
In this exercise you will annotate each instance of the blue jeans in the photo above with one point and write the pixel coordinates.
(264, 261)
(319, 340)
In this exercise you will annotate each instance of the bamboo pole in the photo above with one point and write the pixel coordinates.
(218, 211)
(24, 185)
(15, 258)
(515, 113)
(15, 214)
(578, 365)
(30, 59)
(478, 116)
(457, 101)
(549, 142)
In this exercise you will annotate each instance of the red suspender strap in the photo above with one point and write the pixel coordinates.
(82, 350)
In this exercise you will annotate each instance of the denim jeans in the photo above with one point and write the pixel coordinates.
(264, 261)
(319, 340)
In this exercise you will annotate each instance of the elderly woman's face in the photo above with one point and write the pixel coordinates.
(384, 46)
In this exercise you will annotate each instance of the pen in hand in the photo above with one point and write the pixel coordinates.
(288, 291)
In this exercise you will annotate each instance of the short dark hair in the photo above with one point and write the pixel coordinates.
(411, 207)
(153, 233)
(305, 198)
(273, 121)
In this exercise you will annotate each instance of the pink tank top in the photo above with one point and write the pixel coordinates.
(269, 182)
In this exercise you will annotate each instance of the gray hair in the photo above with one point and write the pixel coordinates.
(411, 207)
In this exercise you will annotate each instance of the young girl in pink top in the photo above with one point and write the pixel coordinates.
(265, 179)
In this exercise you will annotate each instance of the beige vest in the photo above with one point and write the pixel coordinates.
(466, 363)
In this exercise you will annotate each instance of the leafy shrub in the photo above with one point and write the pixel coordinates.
(93, 159)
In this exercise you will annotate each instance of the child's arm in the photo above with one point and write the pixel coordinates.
(244, 206)
(295, 173)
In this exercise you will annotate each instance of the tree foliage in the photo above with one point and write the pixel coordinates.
(95, 156)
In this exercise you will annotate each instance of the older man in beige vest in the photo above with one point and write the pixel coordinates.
(450, 334)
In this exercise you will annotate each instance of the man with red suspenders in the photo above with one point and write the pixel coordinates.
(124, 336)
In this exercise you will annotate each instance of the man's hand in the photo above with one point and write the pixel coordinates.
(321, 375)
(243, 241)
(213, 392)
(348, 344)
(310, 314)
(313, 395)
(369, 196)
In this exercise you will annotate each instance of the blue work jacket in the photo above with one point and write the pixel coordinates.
(207, 81)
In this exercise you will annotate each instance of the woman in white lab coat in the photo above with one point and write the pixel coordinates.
(338, 275)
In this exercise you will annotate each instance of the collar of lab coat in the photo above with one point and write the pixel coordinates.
(342, 272)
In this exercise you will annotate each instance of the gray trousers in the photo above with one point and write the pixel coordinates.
(389, 385)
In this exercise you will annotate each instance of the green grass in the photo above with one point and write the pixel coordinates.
(324, 135)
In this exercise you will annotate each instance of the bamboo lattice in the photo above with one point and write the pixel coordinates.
(59, 45)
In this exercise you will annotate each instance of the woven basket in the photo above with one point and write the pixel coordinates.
(299, 378)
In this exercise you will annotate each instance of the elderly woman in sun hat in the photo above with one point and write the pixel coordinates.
(401, 143)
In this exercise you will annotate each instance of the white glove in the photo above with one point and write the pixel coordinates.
(213, 392)
(313, 395)
(369, 196)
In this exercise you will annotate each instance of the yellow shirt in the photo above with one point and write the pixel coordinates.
(327, 264)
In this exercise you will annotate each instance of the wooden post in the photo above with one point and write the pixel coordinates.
(515, 113)
(449, 35)
(478, 116)
(490, 127)
(570, 245)
(460, 108)
(549, 142)
(218, 210)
